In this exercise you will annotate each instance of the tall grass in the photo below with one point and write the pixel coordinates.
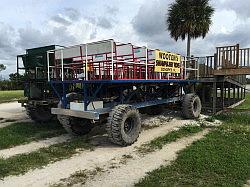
(8, 96)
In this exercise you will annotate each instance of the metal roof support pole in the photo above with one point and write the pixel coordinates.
(48, 66)
(185, 68)
(198, 70)
(154, 73)
(86, 62)
(17, 67)
(62, 65)
(112, 59)
(146, 63)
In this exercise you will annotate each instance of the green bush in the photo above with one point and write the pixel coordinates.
(11, 85)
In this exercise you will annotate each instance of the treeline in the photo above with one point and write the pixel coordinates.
(11, 85)
(15, 82)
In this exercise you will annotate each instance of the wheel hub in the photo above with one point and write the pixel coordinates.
(195, 106)
(128, 125)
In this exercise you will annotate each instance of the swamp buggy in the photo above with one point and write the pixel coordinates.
(113, 82)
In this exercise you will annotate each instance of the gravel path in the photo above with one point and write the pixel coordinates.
(248, 87)
(137, 168)
(33, 146)
(87, 159)
(247, 184)
(12, 111)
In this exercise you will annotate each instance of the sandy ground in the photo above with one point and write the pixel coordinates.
(248, 87)
(103, 153)
(247, 184)
(12, 111)
(33, 146)
(135, 169)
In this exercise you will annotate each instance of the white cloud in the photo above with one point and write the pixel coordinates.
(33, 23)
(240, 7)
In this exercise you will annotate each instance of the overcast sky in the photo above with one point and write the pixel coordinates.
(33, 23)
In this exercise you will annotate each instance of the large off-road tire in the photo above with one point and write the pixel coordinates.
(124, 125)
(74, 126)
(39, 114)
(191, 106)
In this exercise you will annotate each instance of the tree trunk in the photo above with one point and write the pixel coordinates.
(188, 46)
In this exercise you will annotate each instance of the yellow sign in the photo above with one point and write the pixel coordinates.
(167, 62)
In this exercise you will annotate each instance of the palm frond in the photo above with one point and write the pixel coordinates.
(193, 17)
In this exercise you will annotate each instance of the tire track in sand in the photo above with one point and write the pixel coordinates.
(87, 159)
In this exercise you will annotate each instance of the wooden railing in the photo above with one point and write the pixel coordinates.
(206, 66)
(227, 57)
(228, 61)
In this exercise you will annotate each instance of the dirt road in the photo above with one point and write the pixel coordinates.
(110, 158)
(113, 161)
(248, 87)
(12, 111)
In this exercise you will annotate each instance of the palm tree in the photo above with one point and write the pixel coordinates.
(2, 67)
(189, 19)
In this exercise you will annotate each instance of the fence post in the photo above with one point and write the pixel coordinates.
(237, 55)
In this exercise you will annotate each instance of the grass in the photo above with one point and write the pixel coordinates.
(159, 142)
(222, 158)
(21, 133)
(22, 163)
(246, 104)
(9, 96)
(79, 177)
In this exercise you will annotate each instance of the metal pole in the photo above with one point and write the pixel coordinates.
(198, 70)
(86, 62)
(195, 67)
(185, 69)
(62, 65)
(112, 60)
(146, 63)
(17, 62)
(48, 66)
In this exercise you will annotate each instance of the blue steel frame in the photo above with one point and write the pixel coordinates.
(102, 83)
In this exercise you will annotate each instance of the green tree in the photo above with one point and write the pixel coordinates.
(15, 77)
(189, 19)
(2, 67)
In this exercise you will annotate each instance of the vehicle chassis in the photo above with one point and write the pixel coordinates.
(123, 80)
(168, 91)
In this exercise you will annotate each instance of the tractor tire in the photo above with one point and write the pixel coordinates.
(191, 106)
(73, 125)
(124, 125)
(39, 114)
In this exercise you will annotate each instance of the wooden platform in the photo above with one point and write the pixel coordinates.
(220, 92)
(233, 71)
(222, 77)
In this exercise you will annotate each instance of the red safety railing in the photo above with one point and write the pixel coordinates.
(106, 60)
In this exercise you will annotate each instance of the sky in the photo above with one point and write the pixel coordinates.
(32, 23)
